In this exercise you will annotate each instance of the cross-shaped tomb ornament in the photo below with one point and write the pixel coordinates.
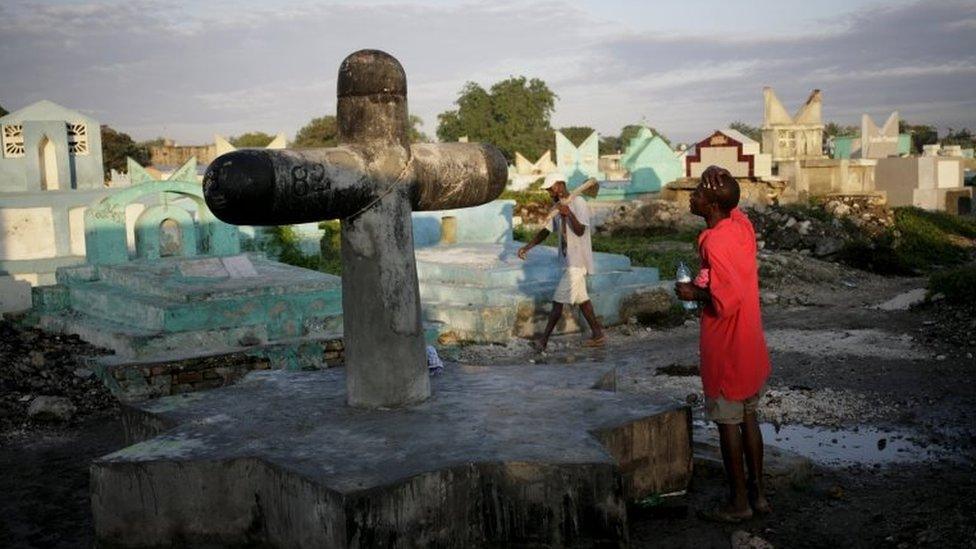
(371, 181)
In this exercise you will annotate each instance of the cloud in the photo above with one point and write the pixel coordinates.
(188, 70)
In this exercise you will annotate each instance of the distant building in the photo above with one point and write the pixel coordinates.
(171, 154)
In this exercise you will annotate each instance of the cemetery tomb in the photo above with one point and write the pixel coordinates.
(223, 146)
(651, 162)
(524, 173)
(874, 142)
(820, 177)
(477, 289)
(50, 170)
(369, 455)
(184, 293)
(578, 163)
(928, 182)
(732, 150)
(788, 138)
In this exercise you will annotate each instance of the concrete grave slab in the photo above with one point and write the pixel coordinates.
(501, 455)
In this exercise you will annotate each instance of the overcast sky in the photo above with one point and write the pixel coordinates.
(187, 70)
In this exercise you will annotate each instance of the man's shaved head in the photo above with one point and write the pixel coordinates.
(720, 187)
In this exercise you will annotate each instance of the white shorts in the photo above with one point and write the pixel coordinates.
(572, 287)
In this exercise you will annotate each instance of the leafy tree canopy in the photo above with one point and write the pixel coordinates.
(156, 142)
(612, 144)
(576, 134)
(416, 135)
(252, 140)
(323, 132)
(512, 115)
(833, 129)
(922, 134)
(319, 132)
(3, 111)
(964, 138)
(116, 146)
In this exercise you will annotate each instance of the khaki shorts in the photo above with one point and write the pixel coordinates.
(572, 287)
(721, 410)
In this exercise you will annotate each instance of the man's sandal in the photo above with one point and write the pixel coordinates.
(595, 342)
(721, 515)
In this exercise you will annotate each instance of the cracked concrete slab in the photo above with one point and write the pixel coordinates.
(497, 455)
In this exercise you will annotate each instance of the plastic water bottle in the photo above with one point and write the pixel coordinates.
(683, 274)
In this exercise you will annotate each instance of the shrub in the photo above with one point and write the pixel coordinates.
(958, 285)
(284, 244)
(919, 241)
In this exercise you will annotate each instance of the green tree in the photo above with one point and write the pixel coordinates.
(156, 142)
(416, 135)
(964, 138)
(613, 144)
(512, 115)
(251, 140)
(319, 132)
(752, 132)
(575, 134)
(3, 111)
(922, 134)
(833, 129)
(116, 146)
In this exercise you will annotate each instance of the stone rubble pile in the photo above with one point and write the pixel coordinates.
(652, 216)
(44, 379)
(821, 231)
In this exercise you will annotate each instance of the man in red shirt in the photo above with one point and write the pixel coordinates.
(734, 360)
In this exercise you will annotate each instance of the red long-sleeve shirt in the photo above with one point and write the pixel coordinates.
(734, 360)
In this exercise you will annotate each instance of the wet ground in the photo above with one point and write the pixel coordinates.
(879, 401)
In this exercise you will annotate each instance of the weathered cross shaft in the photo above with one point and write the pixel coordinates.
(372, 182)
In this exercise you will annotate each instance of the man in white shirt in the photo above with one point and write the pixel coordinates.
(576, 255)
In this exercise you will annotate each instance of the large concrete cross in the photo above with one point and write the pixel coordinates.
(371, 181)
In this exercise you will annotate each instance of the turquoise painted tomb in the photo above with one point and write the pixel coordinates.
(578, 163)
(476, 288)
(182, 289)
(652, 163)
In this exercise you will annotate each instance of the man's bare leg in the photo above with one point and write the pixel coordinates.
(554, 314)
(752, 443)
(730, 438)
(595, 327)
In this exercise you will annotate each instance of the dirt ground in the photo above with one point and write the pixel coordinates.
(846, 372)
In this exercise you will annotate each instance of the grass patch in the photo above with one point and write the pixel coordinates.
(920, 241)
(643, 251)
(523, 198)
(956, 284)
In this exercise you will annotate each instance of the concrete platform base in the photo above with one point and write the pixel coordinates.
(505, 455)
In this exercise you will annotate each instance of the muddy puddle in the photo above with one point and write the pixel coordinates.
(862, 445)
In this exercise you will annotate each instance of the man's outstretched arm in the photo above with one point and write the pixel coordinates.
(538, 238)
